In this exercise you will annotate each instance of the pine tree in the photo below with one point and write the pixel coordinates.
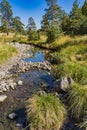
(52, 20)
(6, 14)
(17, 24)
(76, 18)
(84, 8)
(31, 24)
(53, 13)
(45, 23)
(32, 30)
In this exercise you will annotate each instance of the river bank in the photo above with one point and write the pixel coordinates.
(17, 65)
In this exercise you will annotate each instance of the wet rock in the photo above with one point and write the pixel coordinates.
(12, 116)
(40, 93)
(20, 82)
(4, 89)
(19, 125)
(3, 98)
(61, 85)
(44, 85)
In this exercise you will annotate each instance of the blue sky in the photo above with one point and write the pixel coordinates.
(35, 8)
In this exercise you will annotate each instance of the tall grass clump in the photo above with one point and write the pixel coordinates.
(60, 41)
(70, 53)
(6, 51)
(72, 69)
(45, 112)
(77, 101)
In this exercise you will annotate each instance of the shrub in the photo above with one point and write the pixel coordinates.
(53, 33)
(33, 35)
(45, 112)
(76, 71)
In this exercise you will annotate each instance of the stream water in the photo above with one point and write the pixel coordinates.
(36, 57)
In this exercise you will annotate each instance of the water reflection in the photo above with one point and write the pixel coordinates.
(37, 57)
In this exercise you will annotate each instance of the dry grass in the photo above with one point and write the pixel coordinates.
(77, 101)
(61, 41)
(45, 112)
(6, 51)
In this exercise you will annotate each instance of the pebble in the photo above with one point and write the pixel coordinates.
(3, 98)
(12, 116)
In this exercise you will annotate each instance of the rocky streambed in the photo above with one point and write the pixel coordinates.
(21, 77)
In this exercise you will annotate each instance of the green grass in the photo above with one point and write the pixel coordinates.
(45, 112)
(72, 53)
(77, 101)
(74, 70)
(6, 51)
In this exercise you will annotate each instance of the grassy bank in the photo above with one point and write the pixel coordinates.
(6, 51)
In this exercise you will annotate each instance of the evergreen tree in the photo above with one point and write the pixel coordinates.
(84, 8)
(53, 13)
(66, 22)
(75, 18)
(32, 30)
(6, 14)
(52, 20)
(31, 25)
(76, 22)
(44, 23)
(17, 25)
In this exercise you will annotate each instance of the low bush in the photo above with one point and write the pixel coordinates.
(33, 35)
(45, 112)
(53, 33)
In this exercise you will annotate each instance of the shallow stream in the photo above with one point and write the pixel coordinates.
(16, 100)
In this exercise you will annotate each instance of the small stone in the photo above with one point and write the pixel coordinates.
(12, 116)
(3, 98)
(20, 82)
(12, 86)
(19, 125)
(4, 89)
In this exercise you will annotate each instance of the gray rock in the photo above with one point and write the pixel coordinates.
(4, 89)
(20, 82)
(12, 116)
(3, 98)
(62, 85)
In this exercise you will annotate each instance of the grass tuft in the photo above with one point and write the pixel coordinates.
(45, 112)
(77, 100)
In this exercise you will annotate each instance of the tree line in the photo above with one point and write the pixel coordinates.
(55, 21)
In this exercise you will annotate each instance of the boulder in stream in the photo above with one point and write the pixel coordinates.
(61, 85)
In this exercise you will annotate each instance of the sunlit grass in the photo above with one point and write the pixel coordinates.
(45, 112)
(6, 51)
(72, 53)
(60, 41)
(77, 101)
(74, 70)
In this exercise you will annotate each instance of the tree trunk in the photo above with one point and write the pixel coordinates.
(7, 31)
